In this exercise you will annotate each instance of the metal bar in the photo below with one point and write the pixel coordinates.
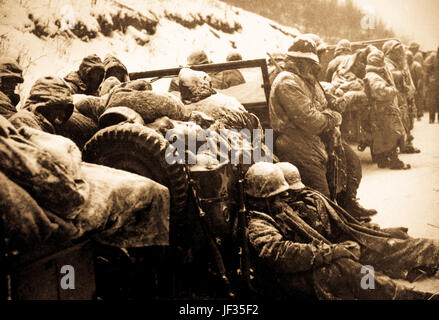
(359, 43)
(213, 67)
(262, 105)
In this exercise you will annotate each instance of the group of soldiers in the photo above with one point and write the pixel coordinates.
(307, 231)
(311, 235)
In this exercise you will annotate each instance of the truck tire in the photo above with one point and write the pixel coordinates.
(139, 150)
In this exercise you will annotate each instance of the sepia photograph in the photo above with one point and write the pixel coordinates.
(215, 156)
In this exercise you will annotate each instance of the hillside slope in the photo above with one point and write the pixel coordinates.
(51, 37)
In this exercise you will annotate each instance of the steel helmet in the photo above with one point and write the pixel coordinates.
(390, 46)
(414, 47)
(264, 180)
(343, 46)
(234, 56)
(321, 45)
(303, 47)
(197, 57)
(291, 175)
(376, 58)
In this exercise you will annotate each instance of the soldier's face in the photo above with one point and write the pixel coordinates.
(315, 69)
(56, 114)
(277, 203)
(8, 85)
(398, 54)
(95, 78)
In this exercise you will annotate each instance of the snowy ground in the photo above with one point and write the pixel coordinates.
(407, 198)
(168, 47)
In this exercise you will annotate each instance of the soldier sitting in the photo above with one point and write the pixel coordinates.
(233, 77)
(88, 77)
(198, 58)
(318, 250)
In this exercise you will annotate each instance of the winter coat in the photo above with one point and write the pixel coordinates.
(417, 73)
(232, 78)
(46, 93)
(49, 92)
(77, 80)
(298, 110)
(7, 109)
(291, 245)
(333, 65)
(389, 132)
(111, 62)
(406, 91)
(418, 76)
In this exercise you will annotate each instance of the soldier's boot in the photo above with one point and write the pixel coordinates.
(396, 163)
(357, 210)
(409, 147)
(382, 160)
(349, 202)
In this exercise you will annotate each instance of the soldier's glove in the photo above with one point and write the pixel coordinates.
(336, 135)
(347, 249)
(335, 118)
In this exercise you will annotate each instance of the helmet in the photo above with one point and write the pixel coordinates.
(376, 58)
(343, 46)
(292, 175)
(321, 46)
(264, 180)
(303, 47)
(414, 47)
(234, 56)
(197, 57)
(10, 68)
(390, 45)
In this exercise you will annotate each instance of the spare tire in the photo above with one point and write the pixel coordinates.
(139, 150)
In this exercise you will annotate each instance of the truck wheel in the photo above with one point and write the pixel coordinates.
(140, 150)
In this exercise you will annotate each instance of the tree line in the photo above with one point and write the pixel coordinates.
(330, 19)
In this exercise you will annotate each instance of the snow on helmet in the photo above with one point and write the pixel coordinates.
(291, 175)
(264, 180)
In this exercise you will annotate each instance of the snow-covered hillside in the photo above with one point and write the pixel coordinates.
(51, 37)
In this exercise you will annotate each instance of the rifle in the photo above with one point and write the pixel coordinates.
(333, 168)
(208, 234)
(330, 141)
(276, 65)
(244, 264)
